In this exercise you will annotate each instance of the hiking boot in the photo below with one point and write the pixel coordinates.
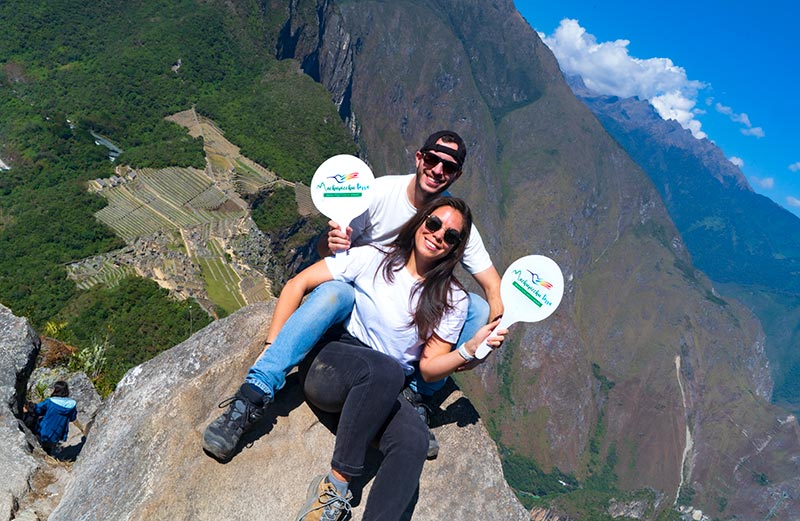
(324, 502)
(223, 434)
(424, 411)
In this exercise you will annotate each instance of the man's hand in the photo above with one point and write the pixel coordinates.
(334, 241)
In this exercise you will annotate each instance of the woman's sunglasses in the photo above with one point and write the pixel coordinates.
(431, 160)
(451, 235)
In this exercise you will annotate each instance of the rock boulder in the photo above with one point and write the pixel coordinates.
(143, 458)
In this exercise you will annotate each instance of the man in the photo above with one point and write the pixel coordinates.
(395, 199)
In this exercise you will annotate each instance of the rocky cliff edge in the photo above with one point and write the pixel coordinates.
(143, 458)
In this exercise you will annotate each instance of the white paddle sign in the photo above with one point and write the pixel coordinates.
(531, 289)
(341, 188)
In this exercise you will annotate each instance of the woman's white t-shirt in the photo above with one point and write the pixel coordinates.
(383, 311)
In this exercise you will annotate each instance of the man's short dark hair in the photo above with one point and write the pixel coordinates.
(447, 136)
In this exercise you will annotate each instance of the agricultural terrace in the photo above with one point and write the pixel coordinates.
(201, 209)
(169, 198)
(225, 160)
(98, 270)
(221, 280)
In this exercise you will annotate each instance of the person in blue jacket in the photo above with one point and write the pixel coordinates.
(55, 414)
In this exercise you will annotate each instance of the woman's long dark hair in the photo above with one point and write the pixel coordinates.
(436, 288)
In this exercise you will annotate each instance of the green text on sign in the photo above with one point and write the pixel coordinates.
(525, 292)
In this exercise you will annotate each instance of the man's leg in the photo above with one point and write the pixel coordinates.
(328, 304)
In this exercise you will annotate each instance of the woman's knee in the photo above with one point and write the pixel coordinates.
(389, 371)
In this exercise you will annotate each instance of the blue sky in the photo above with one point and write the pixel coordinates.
(727, 70)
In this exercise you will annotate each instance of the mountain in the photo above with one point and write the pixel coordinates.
(642, 351)
(645, 385)
(748, 245)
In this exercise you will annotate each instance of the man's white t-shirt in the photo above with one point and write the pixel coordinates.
(390, 209)
(381, 317)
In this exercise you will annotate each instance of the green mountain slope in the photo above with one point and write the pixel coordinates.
(112, 68)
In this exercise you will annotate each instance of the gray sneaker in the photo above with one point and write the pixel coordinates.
(222, 436)
(424, 411)
(324, 502)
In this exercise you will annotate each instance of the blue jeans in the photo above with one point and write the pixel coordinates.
(363, 386)
(329, 304)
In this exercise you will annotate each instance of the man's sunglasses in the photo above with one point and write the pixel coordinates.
(448, 167)
(451, 235)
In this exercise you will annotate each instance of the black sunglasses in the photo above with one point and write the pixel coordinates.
(431, 160)
(451, 235)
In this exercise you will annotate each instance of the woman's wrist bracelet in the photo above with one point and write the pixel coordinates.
(462, 350)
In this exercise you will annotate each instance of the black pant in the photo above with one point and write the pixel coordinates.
(364, 386)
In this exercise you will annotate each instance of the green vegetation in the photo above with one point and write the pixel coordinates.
(761, 478)
(275, 211)
(67, 69)
(525, 476)
(686, 495)
(137, 319)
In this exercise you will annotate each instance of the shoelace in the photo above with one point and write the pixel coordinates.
(331, 509)
(229, 415)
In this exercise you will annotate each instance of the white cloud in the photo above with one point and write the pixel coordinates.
(743, 119)
(794, 167)
(608, 69)
(793, 201)
(766, 183)
(755, 131)
(738, 161)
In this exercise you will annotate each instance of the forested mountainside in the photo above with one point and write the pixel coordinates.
(748, 245)
(644, 384)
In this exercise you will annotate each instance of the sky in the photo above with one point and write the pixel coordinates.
(729, 71)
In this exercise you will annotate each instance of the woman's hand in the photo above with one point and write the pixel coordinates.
(493, 340)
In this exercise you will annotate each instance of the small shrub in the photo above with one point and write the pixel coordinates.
(91, 360)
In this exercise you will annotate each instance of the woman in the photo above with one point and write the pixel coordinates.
(409, 308)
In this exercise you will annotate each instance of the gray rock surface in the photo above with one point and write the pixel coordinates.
(19, 345)
(143, 457)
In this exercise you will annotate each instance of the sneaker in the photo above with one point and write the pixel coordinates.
(424, 411)
(223, 434)
(324, 502)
